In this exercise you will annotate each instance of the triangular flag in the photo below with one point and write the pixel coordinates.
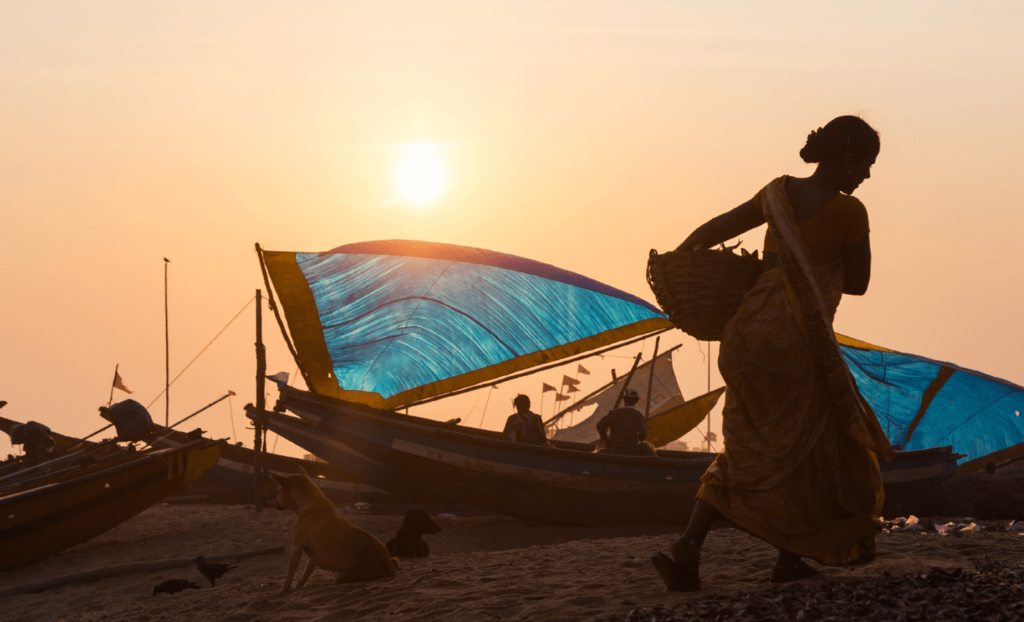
(572, 390)
(566, 380)
(119, 384)
(548, 387)
(561, 398)
(583, 370)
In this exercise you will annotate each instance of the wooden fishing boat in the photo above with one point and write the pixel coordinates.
(74, 505)
(564, 484)
(378, 326)
(231, 479)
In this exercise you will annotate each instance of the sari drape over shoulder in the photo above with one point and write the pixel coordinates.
(799, 468)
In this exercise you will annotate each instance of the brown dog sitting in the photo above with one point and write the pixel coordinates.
(329, 540)
(409, 542)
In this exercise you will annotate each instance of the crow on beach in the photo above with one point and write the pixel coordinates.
(212, 571)
(173, 586)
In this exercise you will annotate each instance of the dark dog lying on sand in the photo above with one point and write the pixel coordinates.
(409, 542)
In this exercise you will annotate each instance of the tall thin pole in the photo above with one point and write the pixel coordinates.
(650, 382)
(167, 352)
(709, 391)
(261, 372)
(112, 382)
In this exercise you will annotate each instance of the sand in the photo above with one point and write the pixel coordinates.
(483, 567)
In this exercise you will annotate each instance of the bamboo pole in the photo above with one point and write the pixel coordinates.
(167, 352)
(261, 372)
(625, 385)
(111, 400)
(650, 383)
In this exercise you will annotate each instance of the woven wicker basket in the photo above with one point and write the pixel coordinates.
(701, 290)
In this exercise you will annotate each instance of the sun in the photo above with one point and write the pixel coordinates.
(420, 175)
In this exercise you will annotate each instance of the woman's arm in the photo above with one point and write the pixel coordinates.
(857, 265)
(725, 227)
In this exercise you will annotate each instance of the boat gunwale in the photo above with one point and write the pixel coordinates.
(442, 429)
(158, 454)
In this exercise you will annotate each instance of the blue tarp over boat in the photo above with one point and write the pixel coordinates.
(925, 403)
(391, 322)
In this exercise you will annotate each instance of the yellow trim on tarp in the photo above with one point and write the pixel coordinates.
(670, 425)
(863, 345)
(525, 361)
(303, 320)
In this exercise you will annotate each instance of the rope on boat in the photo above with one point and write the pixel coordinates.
(201, 352)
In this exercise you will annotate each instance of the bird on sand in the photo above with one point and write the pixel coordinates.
(212, 571)
(173, 586)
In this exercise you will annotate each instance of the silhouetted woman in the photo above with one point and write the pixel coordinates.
(799, 468)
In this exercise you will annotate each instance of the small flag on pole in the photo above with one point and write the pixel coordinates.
(712, 437)
(572, 390)
(583, 370)
(548, 387)
(566, 380)
(119, 384)
(561, 398)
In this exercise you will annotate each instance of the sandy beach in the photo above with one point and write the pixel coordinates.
(482, 568)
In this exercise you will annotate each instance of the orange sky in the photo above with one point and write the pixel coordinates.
(581, 134)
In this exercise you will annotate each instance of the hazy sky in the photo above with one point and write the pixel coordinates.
(581, 134)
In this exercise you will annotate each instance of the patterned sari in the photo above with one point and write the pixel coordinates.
(799, 467)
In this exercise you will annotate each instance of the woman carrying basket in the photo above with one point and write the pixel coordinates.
(799, 469)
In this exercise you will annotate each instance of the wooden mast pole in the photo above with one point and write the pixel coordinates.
(708, 438)
(261, 372)
(167, 353)
(650, 383)
(629, 377)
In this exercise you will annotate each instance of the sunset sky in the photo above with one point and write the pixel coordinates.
(580, 134)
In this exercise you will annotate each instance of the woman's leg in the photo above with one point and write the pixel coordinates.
(703, 517)
(790, 567)
(682, 572)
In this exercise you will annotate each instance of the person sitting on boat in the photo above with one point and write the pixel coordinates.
(525, 426)
(624, 429)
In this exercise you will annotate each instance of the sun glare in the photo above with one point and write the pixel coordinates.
(420, 176)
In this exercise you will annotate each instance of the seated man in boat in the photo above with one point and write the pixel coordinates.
(525, 426)
(624, 430)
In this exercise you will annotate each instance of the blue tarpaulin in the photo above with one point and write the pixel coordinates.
(390, 322)
(924, 403)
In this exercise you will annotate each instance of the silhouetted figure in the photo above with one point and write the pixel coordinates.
(173, 586)
(212, 571)
(624, 430)
(35, 440)
(409, 542)
(798, 468)
(525, 426)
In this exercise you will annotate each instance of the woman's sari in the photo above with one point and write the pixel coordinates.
(799, 467)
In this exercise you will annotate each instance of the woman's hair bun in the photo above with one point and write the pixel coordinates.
(816, 147)
(842, 136)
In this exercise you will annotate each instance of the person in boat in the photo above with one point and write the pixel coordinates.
(525, 426)
(624, 429)
(799, 467)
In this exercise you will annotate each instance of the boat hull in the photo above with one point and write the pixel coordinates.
(542, 484)
(231, 479)
(43, 521)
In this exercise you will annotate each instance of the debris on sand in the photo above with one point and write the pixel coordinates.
(994, 591)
